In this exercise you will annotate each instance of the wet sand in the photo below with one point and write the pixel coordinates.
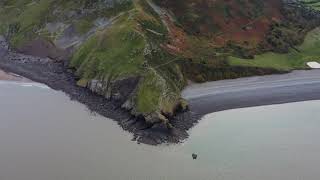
(254, 91)
(5, 76)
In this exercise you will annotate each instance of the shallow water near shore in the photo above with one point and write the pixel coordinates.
(45, 135)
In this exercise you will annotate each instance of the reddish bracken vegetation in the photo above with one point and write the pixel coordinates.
(245, 30)
(242, 22)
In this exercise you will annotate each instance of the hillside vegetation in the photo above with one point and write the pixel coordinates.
(141, 53)
(312, 3)
(294, 59)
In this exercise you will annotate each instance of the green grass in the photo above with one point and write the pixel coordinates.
(120, 52)
(149, 93)
(308, 51)
(312, 3)
(84, 25)
(27, 15)
(32, 15)
(117, 51)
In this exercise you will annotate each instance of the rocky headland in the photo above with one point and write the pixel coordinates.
(129, 60)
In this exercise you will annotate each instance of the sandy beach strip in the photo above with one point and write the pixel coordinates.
(5, 76)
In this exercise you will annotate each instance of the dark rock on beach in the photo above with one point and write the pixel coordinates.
(59, 77)
(194, 156)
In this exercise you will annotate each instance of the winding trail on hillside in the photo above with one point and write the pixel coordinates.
(254, 91)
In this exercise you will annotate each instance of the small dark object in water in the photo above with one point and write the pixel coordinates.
(194, 156)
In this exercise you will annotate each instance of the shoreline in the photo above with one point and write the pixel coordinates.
(297, 86)
(206, 98)
(203, 98)
(58, 77)
(7, 76)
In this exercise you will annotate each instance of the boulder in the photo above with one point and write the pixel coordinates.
(194, 156)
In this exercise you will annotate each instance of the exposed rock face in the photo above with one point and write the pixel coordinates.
(3, 46)
(119, 90)
(44, 49)
(3, 43)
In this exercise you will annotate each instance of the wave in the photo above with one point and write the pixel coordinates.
(25, 84)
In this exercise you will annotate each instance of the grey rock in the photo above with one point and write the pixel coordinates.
(194, 156)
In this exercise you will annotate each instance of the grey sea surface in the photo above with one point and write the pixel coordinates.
(45, 135)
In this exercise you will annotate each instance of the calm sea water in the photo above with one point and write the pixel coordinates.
(46, 136)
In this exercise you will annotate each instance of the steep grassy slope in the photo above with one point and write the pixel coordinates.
(24, 19)
(126, 48)
(140, 53)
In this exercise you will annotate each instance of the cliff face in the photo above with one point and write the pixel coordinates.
(140, 53)
(113, 46)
